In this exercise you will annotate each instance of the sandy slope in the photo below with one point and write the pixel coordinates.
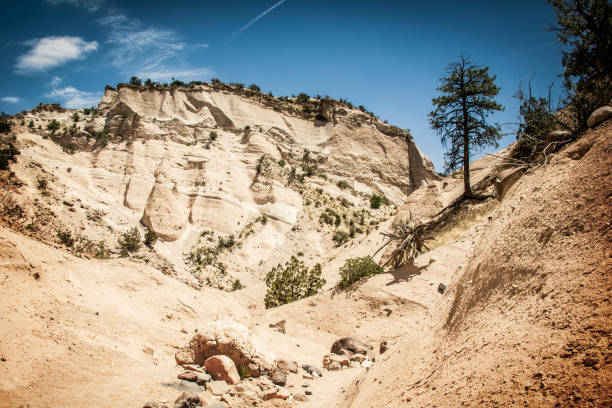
(530, 320)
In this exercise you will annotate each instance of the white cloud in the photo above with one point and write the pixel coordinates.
(89, 5)
(51, 52)
(182, 74)
(73, 98)
(55, 81)
(149, 52)
(10, 99)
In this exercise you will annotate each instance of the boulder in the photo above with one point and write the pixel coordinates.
(280, 377)
(223, 368)
(232, 339)
(287, 366)
(249, 393)
(557, 136)
(312, 370)
(350, 344)
(188, 400)
(328, 360)
(218, 387)
(203, 378)
(599, 115)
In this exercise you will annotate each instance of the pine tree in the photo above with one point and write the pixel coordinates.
(460, 116)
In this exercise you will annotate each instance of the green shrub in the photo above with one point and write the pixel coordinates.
(254, 88)
(236, 285)
(340, 236)
(135, 81)
(227, 243)
(375, 201)
(212, 136)
(75, 117)
(356, 268)
(8, 152)
(303, 97)
(65, 238)
(342, 184)
(5, 123)
(41, 184)
(292, 282)
(129, 241)
(150, 238)
(281, 163)
(53, 125)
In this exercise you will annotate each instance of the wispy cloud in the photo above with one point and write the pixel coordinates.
(182, 74)
(55, 81)
(149, 52)
(256, 19)
(50, 52)
(89, 5)
(10, 99)
(73, 98)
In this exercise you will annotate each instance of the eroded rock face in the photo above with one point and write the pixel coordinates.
(232, 339)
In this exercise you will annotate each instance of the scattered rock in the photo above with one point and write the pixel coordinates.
(188, 400)
(441, 288)
(218, 387)
(280, 377)
(334, 366)
(279, 392)
(193, 367)
(354, 364)
(307, 376)
(184, 356)
(279, 326)
(188, 376)
(222, 368)
(350, 344)
(151, 404)
(383, 347)
(203, 378)
(335, 362)
(287, 366)
(301, 398)
(249, 393)
(358, 358)
(308, 392)
(599, 115)
(312, 370)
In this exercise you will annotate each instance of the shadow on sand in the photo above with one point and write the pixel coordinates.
(405, 273)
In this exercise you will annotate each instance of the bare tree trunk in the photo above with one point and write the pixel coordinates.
(467, 189)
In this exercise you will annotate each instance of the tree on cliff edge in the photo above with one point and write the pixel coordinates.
(460, 115)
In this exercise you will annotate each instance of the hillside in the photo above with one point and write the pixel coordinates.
(232, 183)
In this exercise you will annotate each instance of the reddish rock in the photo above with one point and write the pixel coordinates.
(222, 368)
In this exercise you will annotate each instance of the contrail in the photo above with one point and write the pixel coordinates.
(253, 21)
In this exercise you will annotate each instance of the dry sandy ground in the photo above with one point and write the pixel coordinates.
(529, 321)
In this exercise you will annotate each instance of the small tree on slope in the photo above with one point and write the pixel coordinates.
(460, 116)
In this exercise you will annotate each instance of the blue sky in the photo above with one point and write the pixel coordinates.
(386, 55)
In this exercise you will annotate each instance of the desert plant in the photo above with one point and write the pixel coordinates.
(150, 238)
(129, 241)
(356, 268)
(5, 123)
(135, 81)
(254, 88)
(226, 243)
(8, 151)
(340, 237)
(65, 237)
(375, 201)
(281, 163)
(101, 252)
(41, 183)
(236, 285)
(75, 117)
(212, 136)
(342, 184)
(292, 282)
(53, 125)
